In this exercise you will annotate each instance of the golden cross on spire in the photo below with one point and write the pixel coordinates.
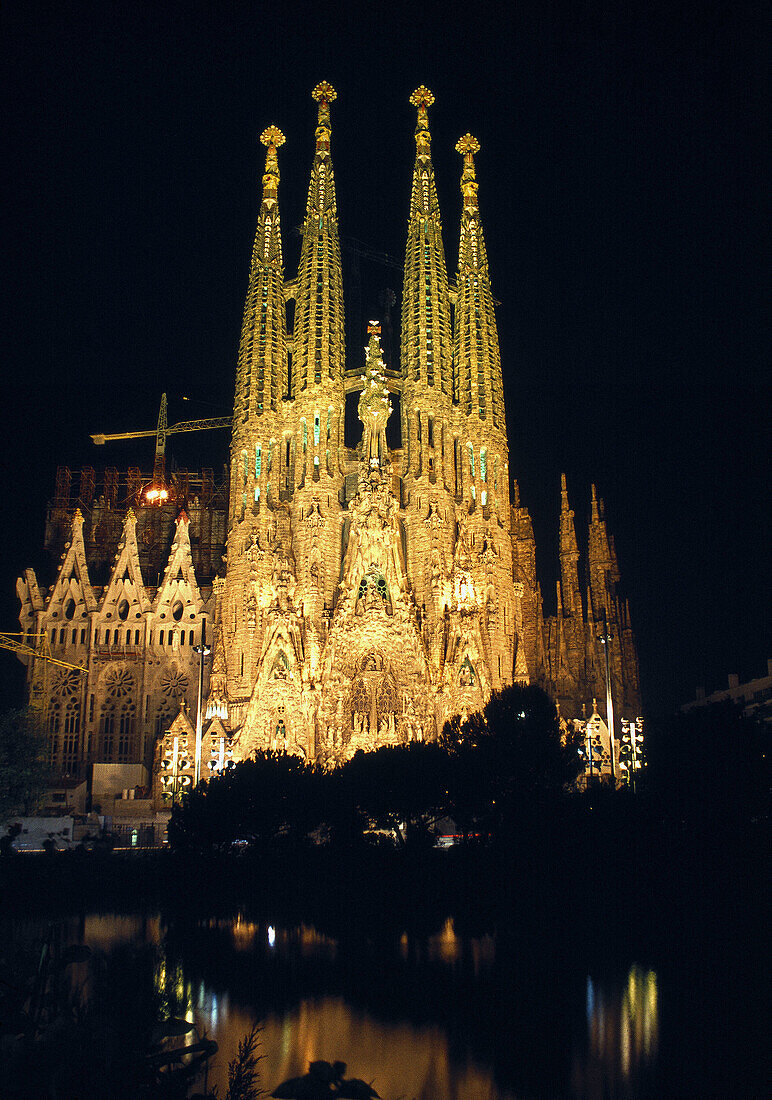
(467, 146)
(272, 138)
(272, 135)
(422, 98)
(324, 94)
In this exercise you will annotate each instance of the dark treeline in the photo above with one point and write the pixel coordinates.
(501, 778)
(492, 776)
(352, 849)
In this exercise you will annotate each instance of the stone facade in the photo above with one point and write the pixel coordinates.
(368, 593)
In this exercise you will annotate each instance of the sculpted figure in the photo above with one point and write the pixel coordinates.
(374, 407)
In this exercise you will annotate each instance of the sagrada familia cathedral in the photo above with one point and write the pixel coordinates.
(352, 596)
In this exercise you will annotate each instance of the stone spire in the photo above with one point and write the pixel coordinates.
(568, 551)
(426, 336)
(262, 363)
(477, 358)
(320, 346)
(599, 558)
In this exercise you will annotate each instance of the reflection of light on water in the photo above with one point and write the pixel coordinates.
(448, 947)
(445, 945)
(243, 933)
(622, 1027)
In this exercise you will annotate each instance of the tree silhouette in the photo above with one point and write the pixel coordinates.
(512, 762)
(23, 768)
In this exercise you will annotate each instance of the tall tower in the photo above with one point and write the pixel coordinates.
(480, 451)
(257, 421)
(319, 347)
(427, 389)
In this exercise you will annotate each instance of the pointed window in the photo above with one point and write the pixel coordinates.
(107, 734)
(258, 459)
(71, 740)
(126, 733)
(54, 722)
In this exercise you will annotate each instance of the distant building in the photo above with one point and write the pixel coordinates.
(754, 696)
(373, 587)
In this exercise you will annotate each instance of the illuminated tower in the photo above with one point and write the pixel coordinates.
(480, 451)
(257, 422)
(262, 361)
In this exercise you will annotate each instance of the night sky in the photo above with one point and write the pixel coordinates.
(621, 192)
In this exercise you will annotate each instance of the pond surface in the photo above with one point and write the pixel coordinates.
(439, 1016)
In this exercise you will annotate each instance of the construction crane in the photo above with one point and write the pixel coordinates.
(157, 492)
(43, 651)
(39, 685)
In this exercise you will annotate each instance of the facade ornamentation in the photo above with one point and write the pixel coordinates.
(368, 593)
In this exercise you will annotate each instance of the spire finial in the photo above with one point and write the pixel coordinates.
(563, 493)
(422, 98)
(324, 94)
(272, 138)
(467, 146)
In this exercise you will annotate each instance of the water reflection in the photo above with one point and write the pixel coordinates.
(425, 1017)
(622, 1033)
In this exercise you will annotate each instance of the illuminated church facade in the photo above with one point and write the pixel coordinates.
(352, 596)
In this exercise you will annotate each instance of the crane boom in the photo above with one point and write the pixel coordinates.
(184, 426)
(43, 651)
(157, 492)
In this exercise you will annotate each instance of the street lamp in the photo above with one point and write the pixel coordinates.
(202, 650)
(605, 640)
(632, 737)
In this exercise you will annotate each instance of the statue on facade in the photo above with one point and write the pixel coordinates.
(374, 404)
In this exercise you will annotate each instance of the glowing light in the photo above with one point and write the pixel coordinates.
(271, 936)
(157, 494)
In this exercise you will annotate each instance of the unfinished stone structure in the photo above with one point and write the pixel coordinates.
(368, 593)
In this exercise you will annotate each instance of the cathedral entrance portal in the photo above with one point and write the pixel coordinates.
(373, 702)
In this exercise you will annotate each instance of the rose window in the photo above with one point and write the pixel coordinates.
(120, 682)
(174, 683)
(67, 683)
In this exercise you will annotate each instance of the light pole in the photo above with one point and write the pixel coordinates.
(202, 651)
(605, 640)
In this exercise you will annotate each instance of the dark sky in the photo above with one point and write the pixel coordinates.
(621, 191)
